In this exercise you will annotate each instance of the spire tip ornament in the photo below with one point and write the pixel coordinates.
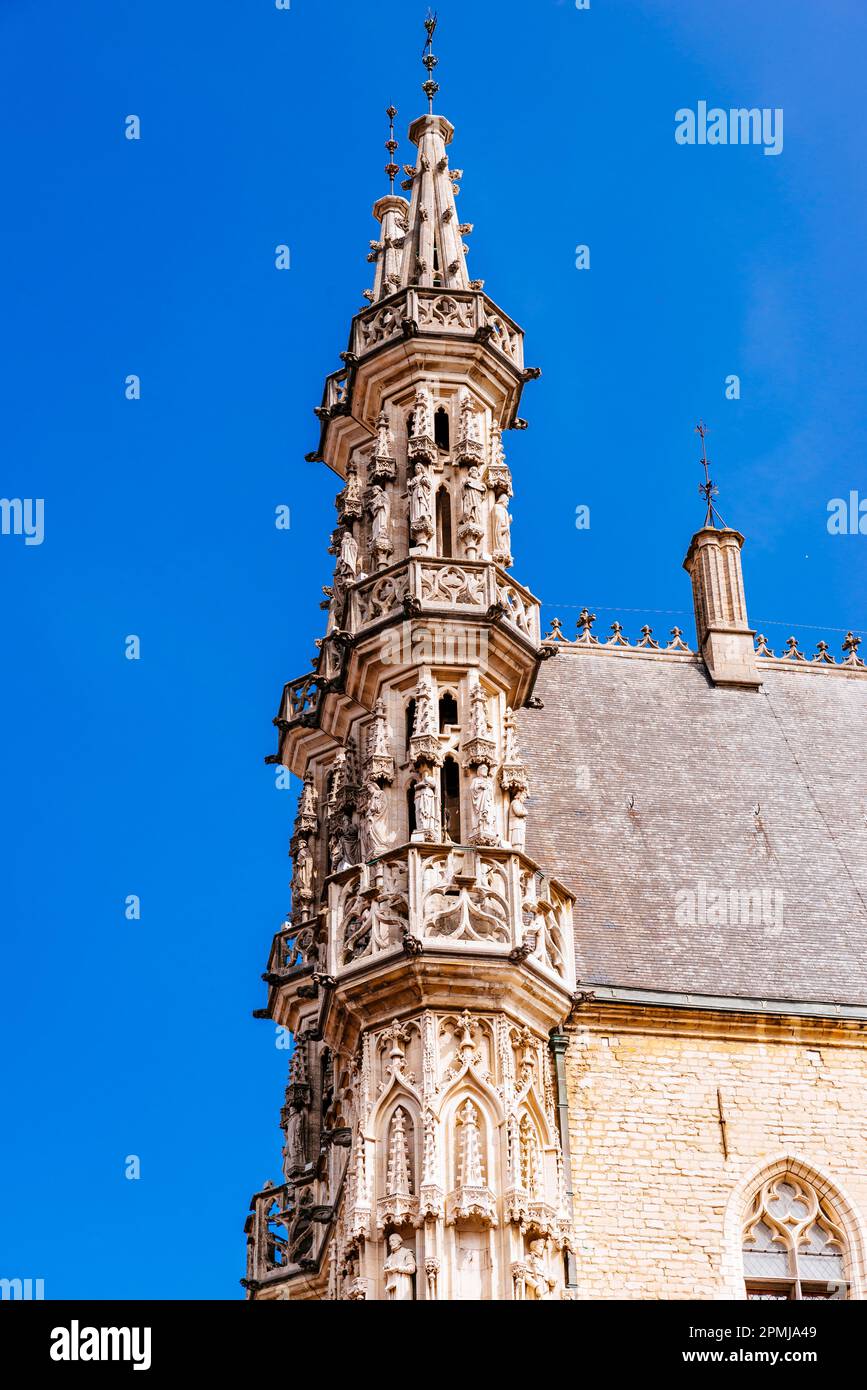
(391, 145)
(429, 86)
(708, 488)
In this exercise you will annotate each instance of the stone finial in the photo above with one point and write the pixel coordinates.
(725, 638)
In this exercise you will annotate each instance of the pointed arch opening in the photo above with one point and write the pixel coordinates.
(441, 428)
(795, 1245)
(450, 799)
(448, 710)
(444, 521)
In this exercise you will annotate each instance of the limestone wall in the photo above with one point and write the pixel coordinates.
(658, 1207)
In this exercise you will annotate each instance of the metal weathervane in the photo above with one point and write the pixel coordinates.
(429, 87)
(708, 488)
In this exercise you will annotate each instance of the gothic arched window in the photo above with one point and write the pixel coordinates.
(441, 428)
(410, 721)
(444, 521)
(450, 799)
(793, 1245)
(448, 710)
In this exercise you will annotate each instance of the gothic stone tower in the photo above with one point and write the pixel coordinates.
(427, 966)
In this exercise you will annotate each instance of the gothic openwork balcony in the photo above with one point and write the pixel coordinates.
(455, 898)
(416, 311)
(438, 587)
(284, 1233)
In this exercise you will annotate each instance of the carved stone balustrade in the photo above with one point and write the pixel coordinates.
(415, 311)
(431, 586)
(449, 898)
(300, 699)
(282, 1235)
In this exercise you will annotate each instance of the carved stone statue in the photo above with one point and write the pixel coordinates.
(502, 534)
(302, 880)
(473, 495)
(518, 821)
(349, 553)
(426, 813)
(538, 1280)
(337, 594)
(293, 1149)
(420, 489)
(374, 821)
(336, 861)
(484, 828)
(399, 1269)
(348, 839)
(380, 513)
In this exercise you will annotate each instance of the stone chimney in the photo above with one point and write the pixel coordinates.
(725, 638)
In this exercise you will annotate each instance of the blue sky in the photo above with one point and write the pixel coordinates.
(156, 257)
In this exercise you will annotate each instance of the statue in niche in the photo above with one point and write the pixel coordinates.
(337, 595)
(302, 882)
(537, 1279)
(473, 495)
(420, 489)
(484, 830)
(380, 513)
(374, 821)
(349, 553)
(335, 851)
(399, 1269)
(518, 821)
(349, 837)
(293, 1149)
(502, 533)
(426, 813)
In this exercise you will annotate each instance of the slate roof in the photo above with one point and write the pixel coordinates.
(698, 761)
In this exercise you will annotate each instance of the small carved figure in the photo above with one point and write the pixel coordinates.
(502, 534)
(426, 815)
(380, 512)
(484, 830)
(293, 1150)
(538, 1280)
(349, 837)
(399, 1270)
(302, 882)
(349, 552)
(473, 495)
(518, 821)
(420, 489)
(374, 821)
